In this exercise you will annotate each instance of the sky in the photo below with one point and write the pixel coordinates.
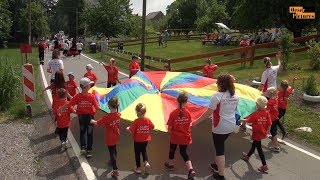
(152, 6)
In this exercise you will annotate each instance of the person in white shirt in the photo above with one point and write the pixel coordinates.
(223, 107)
(270, 74)
(65, 47)
(55, 64)
(79, 46)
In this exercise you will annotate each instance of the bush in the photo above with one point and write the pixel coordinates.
(286, 46)
(10, 84)
(310, 86)
(294, 67)
(314, 55)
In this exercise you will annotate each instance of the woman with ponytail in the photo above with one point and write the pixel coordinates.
(179, 124)
(223, 107)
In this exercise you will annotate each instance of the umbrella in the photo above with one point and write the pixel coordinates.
(159, 89)
(223, 26)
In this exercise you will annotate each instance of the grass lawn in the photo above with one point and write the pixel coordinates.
(298, 114)
(17, 110)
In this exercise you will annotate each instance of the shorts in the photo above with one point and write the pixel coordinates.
(274, 129)
(218, 141)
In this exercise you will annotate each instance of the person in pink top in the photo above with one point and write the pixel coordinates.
(140, 129)
(179, 128)
(209, 69)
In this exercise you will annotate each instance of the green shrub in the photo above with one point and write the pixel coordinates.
(286, 45)
(314, 56)
(10, 84)
(310, 86)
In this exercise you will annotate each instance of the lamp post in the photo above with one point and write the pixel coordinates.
(143, 38)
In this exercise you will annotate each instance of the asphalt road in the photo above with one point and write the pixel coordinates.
(288, 164)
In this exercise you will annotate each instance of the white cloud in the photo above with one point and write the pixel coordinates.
(152, 5)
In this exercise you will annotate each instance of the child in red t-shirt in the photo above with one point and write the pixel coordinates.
(72, 85)
(134, 65)
(261, 123)
(111, 121)
(113, 72)
(63, 117)
(209, 69)
(179, 127)
(87, 106)
(272, 107)
(283, 97)
(91, 75)
(140, 129)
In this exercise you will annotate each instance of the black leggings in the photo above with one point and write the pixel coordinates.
(183, 151)
(257, 144)
(140, 148)
(282, 112)
(86, 128)
(63, 133)
(218, 141)
(274, 129)
(113, 156)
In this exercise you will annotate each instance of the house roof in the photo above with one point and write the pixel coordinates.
(153, 15)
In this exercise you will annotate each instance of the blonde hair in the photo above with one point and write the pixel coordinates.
(141, 109)
(284, 84)
(272, 92)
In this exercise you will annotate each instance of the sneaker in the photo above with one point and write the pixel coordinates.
(88, 155)
(191, 174)
(167, 165)
(214, 167)
(64, 145)
(137, 170)
(263, 168)
(82, 151)
(146, 168)
(284, 135)
(245, 156)
(115, 173)
(275, 149)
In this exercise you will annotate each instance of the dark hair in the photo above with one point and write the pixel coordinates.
(182, 98)
(225, 83)
(59, 80)
(208, 61)
(113, 103)
(62, 93)
(55, 53)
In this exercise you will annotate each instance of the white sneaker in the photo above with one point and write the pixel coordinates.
(147, 168)
(64, 145)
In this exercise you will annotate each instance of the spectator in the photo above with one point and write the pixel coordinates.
(41, 49)
(160, 40)
(228, 38)
(245, 42)
(166, 38)
(79, 46)
(275, 35)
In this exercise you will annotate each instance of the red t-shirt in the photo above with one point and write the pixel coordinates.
(181, 131)
(71, 87)
(92, 76)
(208, 70)
(272, 107)
(261, 121)
(112, 73)
(284, 97)
(63, 119)
(112, 123)
(140, 129)
(134, 67)
(86, 103)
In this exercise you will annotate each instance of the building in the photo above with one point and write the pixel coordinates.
(155, 16)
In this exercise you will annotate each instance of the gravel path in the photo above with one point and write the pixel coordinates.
(16, 157)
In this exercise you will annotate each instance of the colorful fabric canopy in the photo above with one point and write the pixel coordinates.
(158, 91)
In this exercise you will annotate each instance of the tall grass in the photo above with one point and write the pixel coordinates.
(9, 84)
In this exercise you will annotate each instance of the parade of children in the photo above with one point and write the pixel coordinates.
(69, 97)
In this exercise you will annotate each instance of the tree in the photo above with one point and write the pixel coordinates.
(209, 13)
(109, 18)
(39, 22)
(5, 20)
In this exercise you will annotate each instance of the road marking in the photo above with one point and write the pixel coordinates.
(99, 62)
(294, 147)
(249, 127)
(83, 161)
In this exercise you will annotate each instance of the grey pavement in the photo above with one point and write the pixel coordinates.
(288, 164)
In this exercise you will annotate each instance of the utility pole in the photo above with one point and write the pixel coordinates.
(29, 24)
(76, 24)
(143, 38)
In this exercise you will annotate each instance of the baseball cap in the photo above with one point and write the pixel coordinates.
(262, 102)
(85, 82)
(71, 74)
(89, 66)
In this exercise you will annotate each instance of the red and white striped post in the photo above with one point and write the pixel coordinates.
(28, 86)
